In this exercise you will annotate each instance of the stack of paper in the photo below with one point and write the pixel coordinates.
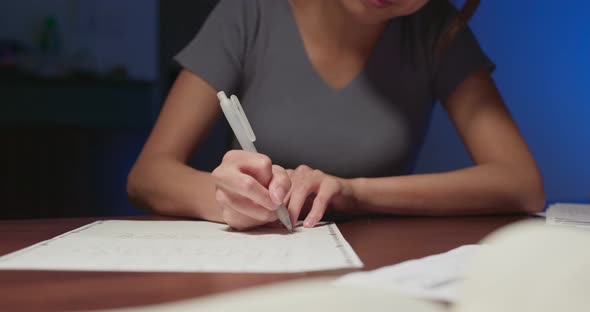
(434, 277)
(569, 214)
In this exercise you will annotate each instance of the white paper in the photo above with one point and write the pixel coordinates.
(301, 295)
(187, 246)
(542, 214)
(436, 277)
(569, 214)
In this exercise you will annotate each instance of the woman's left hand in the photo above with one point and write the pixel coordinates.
(328, 191)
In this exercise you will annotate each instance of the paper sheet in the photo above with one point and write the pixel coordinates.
(301, 295)
(187, 246)
(434, 277)
(577, 215)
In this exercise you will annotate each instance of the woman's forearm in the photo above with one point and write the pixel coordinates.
(482, 189)
(170, 187)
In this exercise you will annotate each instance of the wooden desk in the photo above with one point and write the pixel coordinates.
(377, 241)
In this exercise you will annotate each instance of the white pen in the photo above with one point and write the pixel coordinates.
(232, 109)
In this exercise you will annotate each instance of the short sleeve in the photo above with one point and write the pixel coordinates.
(217, 52)
(463, 57)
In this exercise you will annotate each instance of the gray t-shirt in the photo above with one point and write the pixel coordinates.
(372, 127)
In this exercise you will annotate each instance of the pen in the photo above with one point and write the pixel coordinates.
(232, 109)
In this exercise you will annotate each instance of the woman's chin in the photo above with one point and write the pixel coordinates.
(378, 11)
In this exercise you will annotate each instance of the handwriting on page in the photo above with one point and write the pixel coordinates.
(188, 246)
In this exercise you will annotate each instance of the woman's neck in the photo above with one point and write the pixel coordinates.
(329, 22)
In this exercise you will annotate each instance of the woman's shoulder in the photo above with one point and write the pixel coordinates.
(248, 16)
(432, 18)
(251, 9)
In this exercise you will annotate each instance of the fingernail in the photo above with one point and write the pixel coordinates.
(307, 224)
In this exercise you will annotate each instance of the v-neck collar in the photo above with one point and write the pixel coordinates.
(294, 26)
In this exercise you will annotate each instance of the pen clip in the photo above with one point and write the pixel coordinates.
(242, 118)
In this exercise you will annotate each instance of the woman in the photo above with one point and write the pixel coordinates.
(339, 94)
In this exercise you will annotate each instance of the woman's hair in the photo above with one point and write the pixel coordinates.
(434, 27)
(458, 24)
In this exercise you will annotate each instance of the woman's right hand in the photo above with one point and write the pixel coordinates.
(249, 189)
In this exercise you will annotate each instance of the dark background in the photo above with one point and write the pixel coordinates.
(76, 108)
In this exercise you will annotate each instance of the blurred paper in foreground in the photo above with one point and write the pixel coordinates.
(435, 277)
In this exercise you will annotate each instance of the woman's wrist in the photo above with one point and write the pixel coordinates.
(347, 201)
